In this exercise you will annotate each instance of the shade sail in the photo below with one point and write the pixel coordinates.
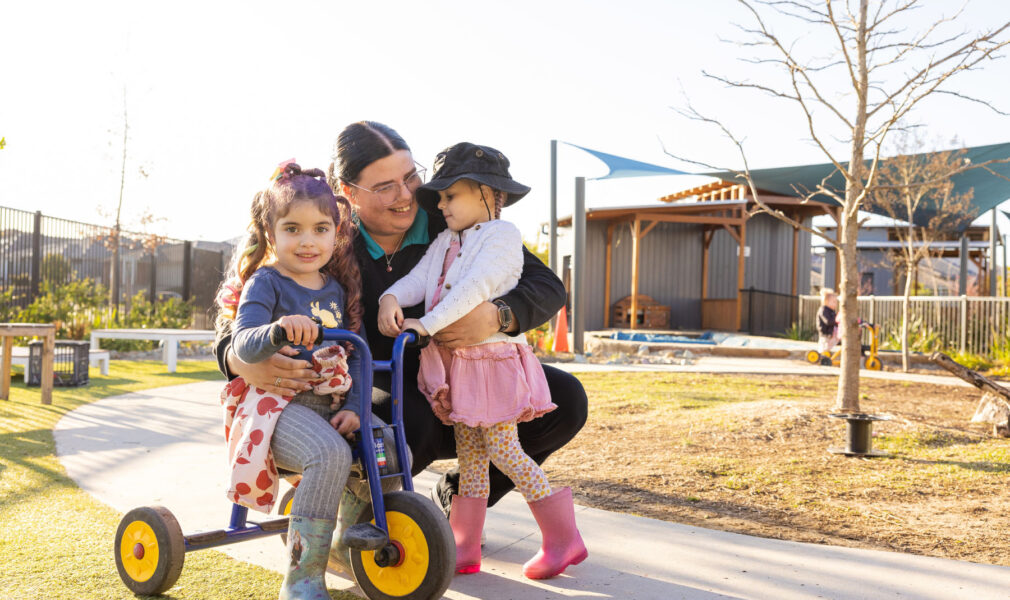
(626, 167)
(989, 189)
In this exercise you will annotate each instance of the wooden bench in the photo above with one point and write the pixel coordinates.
(169, 339)
(9, 331)
(99, 358)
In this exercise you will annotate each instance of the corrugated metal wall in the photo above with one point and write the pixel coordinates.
(769, 266)
(670, 266)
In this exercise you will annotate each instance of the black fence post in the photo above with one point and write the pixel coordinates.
(187, 270)
(153, 295)
(36, 267)
(750, 311)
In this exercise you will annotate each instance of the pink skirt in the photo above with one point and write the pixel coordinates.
(484, 384)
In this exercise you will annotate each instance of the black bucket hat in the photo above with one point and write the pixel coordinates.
(482, 164)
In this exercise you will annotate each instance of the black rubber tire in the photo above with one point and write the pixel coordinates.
(169, 543)
(441, 548)
(813, 357)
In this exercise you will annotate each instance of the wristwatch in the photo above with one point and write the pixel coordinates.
(504, 315)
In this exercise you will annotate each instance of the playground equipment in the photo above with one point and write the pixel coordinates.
(414, 561)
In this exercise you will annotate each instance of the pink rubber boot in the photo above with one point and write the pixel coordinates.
(562, 545)
(466, 517)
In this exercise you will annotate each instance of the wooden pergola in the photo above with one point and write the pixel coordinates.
(714, 206)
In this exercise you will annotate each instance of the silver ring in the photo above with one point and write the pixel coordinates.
(277, 382)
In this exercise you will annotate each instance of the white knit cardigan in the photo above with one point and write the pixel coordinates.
(489, 265)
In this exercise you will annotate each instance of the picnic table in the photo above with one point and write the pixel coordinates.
(47, 332)
(169, 339)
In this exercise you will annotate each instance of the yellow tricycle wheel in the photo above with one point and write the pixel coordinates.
(873, 363)
(284, 509)
(149, 549)
(420, 559)
(813, 357)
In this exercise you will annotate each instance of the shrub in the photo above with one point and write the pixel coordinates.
(795, 332)
(71, 306)
(171, 313)
(920, 338)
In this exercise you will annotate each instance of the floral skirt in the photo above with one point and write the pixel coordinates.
(484, 384)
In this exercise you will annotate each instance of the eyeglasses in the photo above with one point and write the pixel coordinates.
(388, 193)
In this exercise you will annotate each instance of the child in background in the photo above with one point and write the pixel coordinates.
(297, 230)
(483, 390)
(827, 322)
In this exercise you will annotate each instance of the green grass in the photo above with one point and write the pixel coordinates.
(55, 540)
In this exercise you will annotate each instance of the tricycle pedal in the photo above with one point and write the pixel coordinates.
(364, 536)
(274, 524)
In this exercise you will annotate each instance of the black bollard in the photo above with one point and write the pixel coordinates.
(859, 427)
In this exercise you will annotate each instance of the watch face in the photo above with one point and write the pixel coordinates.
(504, 317)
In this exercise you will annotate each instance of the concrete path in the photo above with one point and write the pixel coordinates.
(164, 447)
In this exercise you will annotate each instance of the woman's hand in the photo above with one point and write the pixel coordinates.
(345, 422)
(390, 316)
(301, 330)
(473, 327)
(280, 374)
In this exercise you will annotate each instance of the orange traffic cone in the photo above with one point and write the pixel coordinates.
(561, 332)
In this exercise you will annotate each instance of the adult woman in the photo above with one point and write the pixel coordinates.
(374, 168)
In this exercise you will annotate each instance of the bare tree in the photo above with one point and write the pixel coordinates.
(116, 238)
(916, 188)
(885, 70)
(117, 227)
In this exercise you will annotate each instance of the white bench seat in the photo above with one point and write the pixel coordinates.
(99, 358)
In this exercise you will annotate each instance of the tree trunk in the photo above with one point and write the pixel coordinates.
(116, 232)
(905, 302)
(848, 382)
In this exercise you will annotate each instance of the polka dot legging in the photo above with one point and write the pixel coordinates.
(499, 443)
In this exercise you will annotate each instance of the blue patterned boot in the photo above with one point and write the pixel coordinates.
(308, 548)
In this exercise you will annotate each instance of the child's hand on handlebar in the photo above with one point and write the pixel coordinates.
(390, 315)
(414, 324)
(300, 330)
(345, 422)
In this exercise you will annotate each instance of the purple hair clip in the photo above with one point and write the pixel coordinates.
(281, 170)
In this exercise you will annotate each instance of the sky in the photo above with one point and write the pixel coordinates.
(218, 93)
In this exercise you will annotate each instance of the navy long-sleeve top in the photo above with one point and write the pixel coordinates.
(267, 296)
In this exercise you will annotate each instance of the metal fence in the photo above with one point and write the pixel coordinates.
(975, 324)
(35, 249)
(766, 313)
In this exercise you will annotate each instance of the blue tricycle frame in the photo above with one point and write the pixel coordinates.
(416, 559)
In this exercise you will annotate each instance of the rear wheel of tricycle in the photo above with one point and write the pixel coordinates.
(813, 357)
(284, 509)
(873, 363)
(420, 559)
(150, 550)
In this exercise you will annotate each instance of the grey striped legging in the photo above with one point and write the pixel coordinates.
(306, 443)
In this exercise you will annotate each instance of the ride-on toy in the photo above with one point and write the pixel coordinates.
(870, 352)
(416, 561)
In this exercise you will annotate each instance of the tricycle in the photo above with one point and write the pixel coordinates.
(413, 556)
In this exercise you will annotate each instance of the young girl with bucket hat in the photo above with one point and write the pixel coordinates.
(485, 389)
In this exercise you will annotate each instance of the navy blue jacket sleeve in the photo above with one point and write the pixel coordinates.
(251, 329)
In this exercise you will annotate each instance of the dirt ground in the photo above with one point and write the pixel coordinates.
(750, 455)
